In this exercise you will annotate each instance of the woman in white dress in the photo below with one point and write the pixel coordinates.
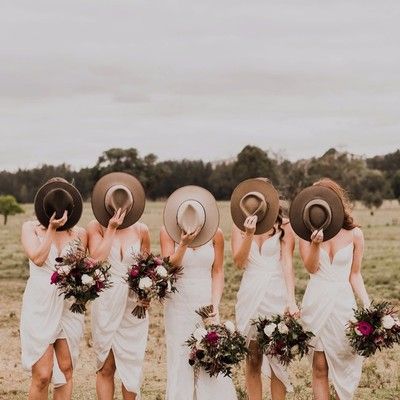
(50, 332)
(267, 288)
(335, 273)
(119, 338)
(201, 284)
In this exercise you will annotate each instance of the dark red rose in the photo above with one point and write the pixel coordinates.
(134, 272)
(212, 337)
(54, 277)
(200, 354)
(99, 285)
(59, 259)
(365, 328)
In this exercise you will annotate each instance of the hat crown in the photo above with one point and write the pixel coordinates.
(58, 201)
(254, 203)
(317, 214)
(118, 197)
(190, 216)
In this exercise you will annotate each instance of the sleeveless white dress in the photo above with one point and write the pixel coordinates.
(45, 317)
(194, 291)
(327, 307)
(113, 325)
(263, 293)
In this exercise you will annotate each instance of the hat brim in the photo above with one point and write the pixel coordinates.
(76, 212)
(271, 196)
(206, 199)
(312, 193)
(99, 193)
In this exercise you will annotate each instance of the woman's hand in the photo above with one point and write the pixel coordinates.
(117, 219)
(317, 237)
(293, 310)
(250, 225)
(213, 318)
(187, 238)
(54, 223)
(143, 303)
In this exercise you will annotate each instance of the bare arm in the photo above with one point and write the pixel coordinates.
(36, 250)
(356, 279)
(217, 272)
(241, 244)
(288, 244)
(145, 239)
(309, 251)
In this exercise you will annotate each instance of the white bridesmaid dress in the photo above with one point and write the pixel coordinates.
(263, 293)
(327, 307)
(45, 317)
(194, 291)
(113, 325)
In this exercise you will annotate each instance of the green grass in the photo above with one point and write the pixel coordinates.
(380, 379)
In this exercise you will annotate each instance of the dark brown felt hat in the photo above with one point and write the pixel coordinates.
(118, 190)
(315, 208)
(57, 196)
(255, 196)
(188, 208)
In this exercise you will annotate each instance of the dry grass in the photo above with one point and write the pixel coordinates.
(380, 380)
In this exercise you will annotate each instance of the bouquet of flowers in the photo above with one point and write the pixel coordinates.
(215, 347)
(373, 328)
(79, 277)
(151, 277)
(283, 337)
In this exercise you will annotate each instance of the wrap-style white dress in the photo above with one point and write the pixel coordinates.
(263, 293)
(194, 291)
(45, 317)
(327, 307)
(113, 325)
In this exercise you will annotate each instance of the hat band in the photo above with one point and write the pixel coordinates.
(260, 211)
(306, 214)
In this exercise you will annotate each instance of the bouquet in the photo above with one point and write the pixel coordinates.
(215, 347)
(79, 277)
(151, 277)
(283, 337)
(373, 328)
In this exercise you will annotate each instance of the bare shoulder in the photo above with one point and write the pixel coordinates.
(80, 231)
(143, 227)
(94, 227)
(358, 235)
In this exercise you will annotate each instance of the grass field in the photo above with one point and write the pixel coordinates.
(380, 379)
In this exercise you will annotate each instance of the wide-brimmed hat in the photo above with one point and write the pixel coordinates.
(190, 208)
(256, 196)
(118, 190)
(316, 208)
(58, 196)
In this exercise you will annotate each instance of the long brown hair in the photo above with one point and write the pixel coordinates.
(348, 222)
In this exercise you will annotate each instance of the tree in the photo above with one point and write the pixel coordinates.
(374, 187)
(9, 206)
(396, 185)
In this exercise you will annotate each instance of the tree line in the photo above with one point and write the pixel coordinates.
(367, 179)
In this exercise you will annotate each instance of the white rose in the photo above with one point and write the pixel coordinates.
(230, 326)
(87, 280)
(169, 287)
(145, 283)
(269, 329)
(64, 270)
(199, 333)
(388, 322)
(161, 271)
(282, 328)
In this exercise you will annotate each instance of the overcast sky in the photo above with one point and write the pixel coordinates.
(196, 79)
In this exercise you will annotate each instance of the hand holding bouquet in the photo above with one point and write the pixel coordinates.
(216, 347)
(283, 337)
(373, 328)
(80, 277)
(151, 277)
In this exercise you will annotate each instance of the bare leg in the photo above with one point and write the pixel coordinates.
(278, 389)
(105, 379)
(320, 381)
(253, 372)
(128, 395)
(64, 360)
(41, 376)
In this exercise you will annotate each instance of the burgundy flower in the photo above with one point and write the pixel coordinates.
(365, 328)
(379, 340)
(134, 272)
(54, 277)
(99, 285)
(59, 259)
(212, 337)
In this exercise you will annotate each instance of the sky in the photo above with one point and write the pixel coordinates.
(196, 79)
